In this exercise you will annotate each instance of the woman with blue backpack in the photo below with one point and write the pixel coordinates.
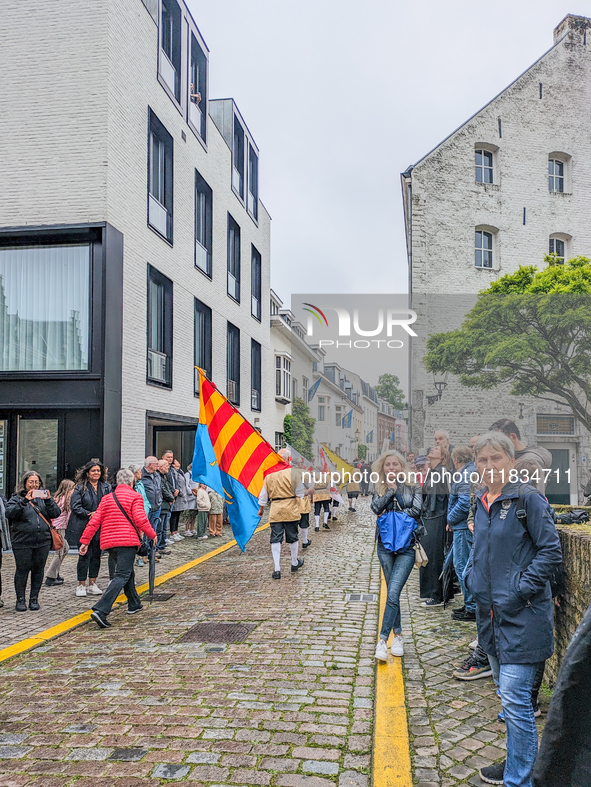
(397, 504)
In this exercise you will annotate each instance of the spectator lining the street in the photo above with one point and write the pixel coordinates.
(458, 508)
(203, 507)
(508, 574)
(91, 487)
(216, 510)
(62, 498)
(441, 439)
(181, 501)
(536, 453)
(30, 516)
(168, 498)
(434, 515)
(4, 538)
(120, 517)
(152, 481)
(393, 495)
(191, 512)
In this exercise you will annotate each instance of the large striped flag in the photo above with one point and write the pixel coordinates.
(232, 458)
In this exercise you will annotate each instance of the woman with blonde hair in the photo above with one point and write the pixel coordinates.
(395, 492)
(62, 498)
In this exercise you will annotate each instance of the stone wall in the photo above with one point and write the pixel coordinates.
(576, 551)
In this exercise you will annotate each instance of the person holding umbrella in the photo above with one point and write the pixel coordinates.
(121, 517)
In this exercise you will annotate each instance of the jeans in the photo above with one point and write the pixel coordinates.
(462, 544)
(124, 580)
(29, 559)
(161, 529)
(89, 564)
(396, 567)
(515, 683)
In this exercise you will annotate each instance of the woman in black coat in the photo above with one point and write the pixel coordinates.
(91, 487)
(434, 516)
(31, 536)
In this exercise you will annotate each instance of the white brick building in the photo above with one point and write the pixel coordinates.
(107, 149)
(508, 186)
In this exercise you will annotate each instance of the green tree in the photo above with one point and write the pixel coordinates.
(530, 329)
(361, 451)
(301, 428)
(287, 429)
(388, 388)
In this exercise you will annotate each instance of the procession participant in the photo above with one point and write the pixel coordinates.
(353, 490)
(322, 501)
(306, 507)
(282, 489)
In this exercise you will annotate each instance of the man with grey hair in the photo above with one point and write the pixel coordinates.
(441, 438)
(153, 486)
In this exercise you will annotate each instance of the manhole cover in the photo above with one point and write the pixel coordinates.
(364, 597)
(224, 633)
(160, 597)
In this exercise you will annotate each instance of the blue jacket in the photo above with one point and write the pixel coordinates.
(458, 505)
(508, 574)
(153, 488)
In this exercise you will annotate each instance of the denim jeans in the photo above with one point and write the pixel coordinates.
(515, 683)
(462, 544)
(154, 519)
(396, 567)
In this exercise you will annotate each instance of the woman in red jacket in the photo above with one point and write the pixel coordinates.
(121, 517)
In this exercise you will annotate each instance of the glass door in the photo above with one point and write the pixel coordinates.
(558, 486)
(3, 456)
(38, 448)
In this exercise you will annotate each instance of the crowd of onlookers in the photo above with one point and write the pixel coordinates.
(169, 498)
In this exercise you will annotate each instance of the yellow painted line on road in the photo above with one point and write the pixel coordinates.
(391, 748)
(71, 623)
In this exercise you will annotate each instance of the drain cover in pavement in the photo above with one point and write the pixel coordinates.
(224, 633)
(160, 597)
(361, 597)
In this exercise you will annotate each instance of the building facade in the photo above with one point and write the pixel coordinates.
(134, 245)
(511, 184)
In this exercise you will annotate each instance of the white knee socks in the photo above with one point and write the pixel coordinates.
(317, 519)
(294, 553)
(326, 514)
(276, 552)
(304, 535)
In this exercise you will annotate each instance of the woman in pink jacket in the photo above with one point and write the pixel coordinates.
(122, 519)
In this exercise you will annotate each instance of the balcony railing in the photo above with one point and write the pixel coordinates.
(195, 116)
(233, 287)
(158, 216)
(158, 366)
(167, 71)
(237, 180)
(202, 257)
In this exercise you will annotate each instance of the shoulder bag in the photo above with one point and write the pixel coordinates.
(57, 541)
(142, 550)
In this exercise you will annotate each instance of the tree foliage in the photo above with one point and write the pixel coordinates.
(361, 451)
(302, 428)
(388, 388)
(287, 429)
(530, 329)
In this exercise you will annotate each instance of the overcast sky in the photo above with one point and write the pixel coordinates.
(341, 97)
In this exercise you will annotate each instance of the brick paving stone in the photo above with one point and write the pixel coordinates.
(353, 779)
(316, 753)
(320, 766)
(300, 780)
(170, 771)
(13, 752)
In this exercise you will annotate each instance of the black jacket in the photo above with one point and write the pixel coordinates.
(436, 493)
(564, 759)
(28, 528)
(411, 497)
(167, 491)
(83, 502)
(153, 487)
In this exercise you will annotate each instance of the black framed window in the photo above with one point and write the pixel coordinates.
(202, 340)
(238, 158)
(256, 283)
(203, 225)
(253, 182)
(170, 46)
(233, 259)
(198, 88)
(255, 375)
(159, 328)
(160, 177)
(233, 364)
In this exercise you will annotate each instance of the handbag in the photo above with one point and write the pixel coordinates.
(421, 558)
(396, 529)
(57, 540)
(142, 550)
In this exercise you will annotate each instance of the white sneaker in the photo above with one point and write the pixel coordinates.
(94, 589)
(203, 537)
(382, 651)
(80, 590)
(189, 534)
(176, 537)
(169, 542)
(397, 648)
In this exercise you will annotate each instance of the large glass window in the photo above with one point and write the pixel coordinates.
(160, 169)
(233, 259)
(170, 46)
(238, 158)
(198, 88)
(159, 328)
(44, 308)
(253, 182)
(203, 224)
(202, 340)
(233, 364)
(37, 448)
(256, 283)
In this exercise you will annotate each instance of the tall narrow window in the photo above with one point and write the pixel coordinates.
(159, 328)
(255, 375)
(253, 182)
(233, 259)
(198, 88)
(233, 364)
(238, 158)
(484, 166)
(555, 175)
(321, 408)
(256, 283)
(557, 248)
(483, 249)
(170, 46)
(202, 340)
(305, 386)
(282, 379)
(203, 225)
(160, 174)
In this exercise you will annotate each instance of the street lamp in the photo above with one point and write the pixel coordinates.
(405, 411)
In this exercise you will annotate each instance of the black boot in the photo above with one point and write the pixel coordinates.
(33, 603)
(21, 605)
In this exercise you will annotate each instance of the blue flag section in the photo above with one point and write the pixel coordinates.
(369, 438)
(348, 420)
(313, 389)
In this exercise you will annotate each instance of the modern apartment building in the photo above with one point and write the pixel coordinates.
(133, 241)
(511, 184)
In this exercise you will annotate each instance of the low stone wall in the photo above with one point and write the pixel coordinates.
(576, 551)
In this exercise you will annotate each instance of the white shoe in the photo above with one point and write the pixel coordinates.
(80, 590)
(94, 589)
(473, 645)
(203, 537)
(169, 542)
(382, 651)
(397, 648)
(177, 537)
(189, 533)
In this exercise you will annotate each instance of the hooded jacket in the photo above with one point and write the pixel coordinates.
(509, 575)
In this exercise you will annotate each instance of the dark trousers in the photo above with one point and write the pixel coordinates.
(29, 560)
(174, 521)
(123, 580)
(89, 564)
(0, 569)
(434, 545)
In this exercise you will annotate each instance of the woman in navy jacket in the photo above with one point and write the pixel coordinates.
(516, 551)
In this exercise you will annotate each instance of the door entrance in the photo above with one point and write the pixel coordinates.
(179, 439)
(561, 487)
(37, 449)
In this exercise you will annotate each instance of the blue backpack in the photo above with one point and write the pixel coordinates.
(396, 529)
